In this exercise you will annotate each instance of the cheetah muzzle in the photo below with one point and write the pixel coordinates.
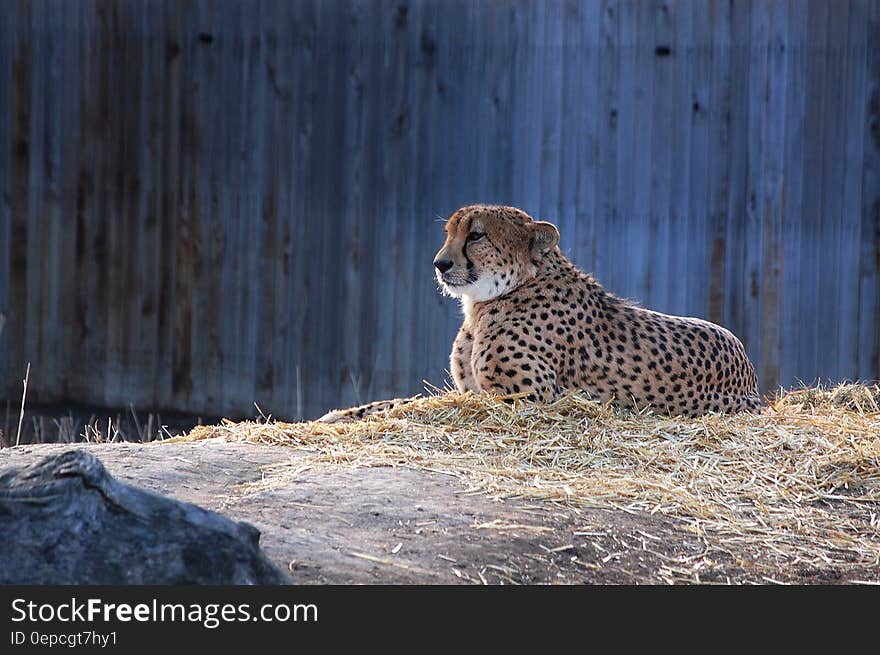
(535, 326)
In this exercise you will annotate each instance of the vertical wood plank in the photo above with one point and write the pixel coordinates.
(811, 244)
(329, 108)
(752, 272)
(168, 206)
(680, 136)
(116, 171)
(832, 182)
(252, 228)
(131, 177)
(280, 133)
(621, 230)
(608, 126)
(773, 200)
(696, 279)
(374, 281)
(720, 98)
(850, 229)
(68, 357)
(869, 270)
(793, 190)
(637, 252)
(497, 159)
(664, 59)
(269, 244)
(735, 291)
(529, 108)
(397, 329)
(81, 180)
(6, 44)
(303, 62)
(50, 330)
(572, 57)
(38, 198)
(208, 117)
(185, 212)
(152, 156)
(585, 71)
(102, 342)
(548, 78)
(416, 262)
(233, 252)
(355, 223)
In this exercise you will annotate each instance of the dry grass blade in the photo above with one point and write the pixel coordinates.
(27, 375)
(798, 483)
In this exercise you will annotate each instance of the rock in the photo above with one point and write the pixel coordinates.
(65, 520)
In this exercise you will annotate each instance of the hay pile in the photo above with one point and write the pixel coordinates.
(799, 483)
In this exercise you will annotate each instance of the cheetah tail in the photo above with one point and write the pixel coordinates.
(355, 413)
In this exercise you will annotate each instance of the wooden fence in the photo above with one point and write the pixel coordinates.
(206, 204)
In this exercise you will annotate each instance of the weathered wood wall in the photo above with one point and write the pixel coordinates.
(206, 204)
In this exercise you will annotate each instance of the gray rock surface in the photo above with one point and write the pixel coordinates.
(66, 520)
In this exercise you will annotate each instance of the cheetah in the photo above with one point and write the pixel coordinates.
(535, 326)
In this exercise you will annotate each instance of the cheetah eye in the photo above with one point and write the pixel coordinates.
(474, 236)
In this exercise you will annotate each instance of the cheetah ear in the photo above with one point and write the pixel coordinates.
(545, 236)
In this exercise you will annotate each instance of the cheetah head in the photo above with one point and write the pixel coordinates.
(491, 250)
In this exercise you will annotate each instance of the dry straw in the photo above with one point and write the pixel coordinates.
(798, 483)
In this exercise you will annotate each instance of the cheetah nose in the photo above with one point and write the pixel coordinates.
(443, 265)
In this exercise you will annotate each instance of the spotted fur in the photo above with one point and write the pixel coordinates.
(535, 325)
